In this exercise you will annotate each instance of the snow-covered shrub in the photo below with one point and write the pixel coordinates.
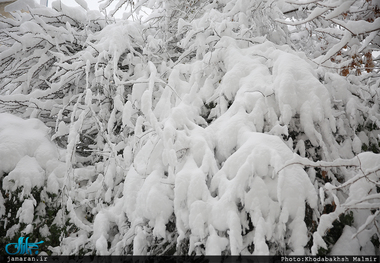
(27, 161)
(195, 132)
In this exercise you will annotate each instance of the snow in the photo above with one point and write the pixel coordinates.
(27, 174)
(318, 11)
(139, 242)
(82, 3)
(101, 227)
(203, 146)
(289, 185)
(361, 26)
(19, 138)
(357, 145)
(101, 246)
(26, 212)
(215, 244)
(345, 6)
(75, 12)
(20, 5)
(346, 245)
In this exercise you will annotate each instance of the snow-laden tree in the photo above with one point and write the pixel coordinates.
(338, 34)
(199, 130)
(343, 37)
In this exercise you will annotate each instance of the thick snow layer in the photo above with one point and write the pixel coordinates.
(20, 5)
(346, 245)
(27, 174)
(82, 3)
(198, 151)
(268, 154)
(340, 9)
(209, 181)
(19, 138)
(26, 211)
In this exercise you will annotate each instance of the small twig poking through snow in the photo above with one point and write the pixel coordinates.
(265, 96)
(321, 164)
